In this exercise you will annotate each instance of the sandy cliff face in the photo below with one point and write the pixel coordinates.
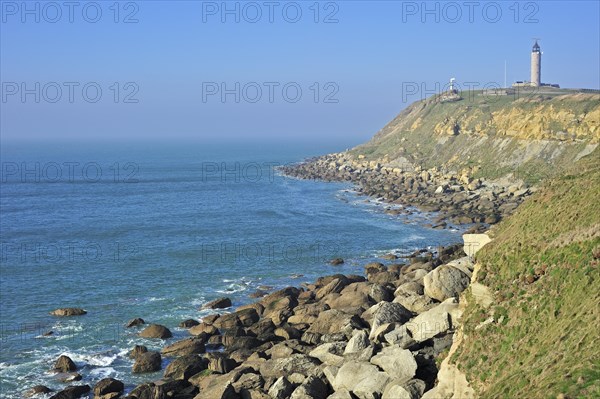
(531, 134)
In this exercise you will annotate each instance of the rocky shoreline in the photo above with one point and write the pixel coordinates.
(382, 335)
(457, 196)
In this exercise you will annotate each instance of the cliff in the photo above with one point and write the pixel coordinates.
(526, 135)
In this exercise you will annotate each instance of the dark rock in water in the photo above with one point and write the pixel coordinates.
(147, 362)
(72, 392)
(48, 333)
(188, 346)
(108, 386)
(156, 331)
(36, 390)
(135, 322)
(65, 312)
(137, 350)
(336, 261)
(220, 303)
(64, 364)
(184, 367)
(189, 323)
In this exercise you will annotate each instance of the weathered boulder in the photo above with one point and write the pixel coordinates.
(147, 362)
(399, 364)
(156, 331)
(330, 353)
(334, 321)
(445, 282)
(412, 389)
(335, 286)
(184, 367)
(311, 388)
(247, 316)
(415, 303)
(72, 392)
(137, 350)
(435, 321)
(281, 389)
(336, 261)
(203, 328)
(219, 303)
(64, 364)
(297, 363)
(218, 391)
(362, 378)
(135, 322)
(358, 342)
(387, 312)
(400, 337)
(66, 312)
(186, 346)
(108, 386)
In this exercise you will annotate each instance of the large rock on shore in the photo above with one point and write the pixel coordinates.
(297, 363)
(147, 362)
(188, 346)
(385, 313)
(65, 312)
(445, 282)
(435, 321)
(311, 388)
(156, 331)
(399, 364)
(334, 321)
(72, 392)
(361, 378)
(184, 367)
(410, 390)
(108, 386)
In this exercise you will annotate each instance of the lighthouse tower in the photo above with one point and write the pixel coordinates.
(536, 65)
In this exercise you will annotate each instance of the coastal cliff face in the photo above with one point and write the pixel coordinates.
(526, 135)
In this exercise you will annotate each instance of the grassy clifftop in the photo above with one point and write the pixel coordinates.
(529, 133)
(543, 268)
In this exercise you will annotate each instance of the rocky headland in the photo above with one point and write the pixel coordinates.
(519, 319)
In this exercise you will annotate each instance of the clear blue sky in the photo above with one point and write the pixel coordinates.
(178, 51)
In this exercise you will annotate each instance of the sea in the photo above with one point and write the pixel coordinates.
(157, 229)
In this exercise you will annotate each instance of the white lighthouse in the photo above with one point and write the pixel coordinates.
(536, 65)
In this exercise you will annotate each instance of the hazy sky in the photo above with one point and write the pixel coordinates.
(212, 70)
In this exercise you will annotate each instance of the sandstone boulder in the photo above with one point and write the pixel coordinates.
(399, 364)
(147, 362)
(156, 331)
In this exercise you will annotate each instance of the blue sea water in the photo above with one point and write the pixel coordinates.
(155, 230)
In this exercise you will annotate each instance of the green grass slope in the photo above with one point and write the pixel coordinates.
(544, 270)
